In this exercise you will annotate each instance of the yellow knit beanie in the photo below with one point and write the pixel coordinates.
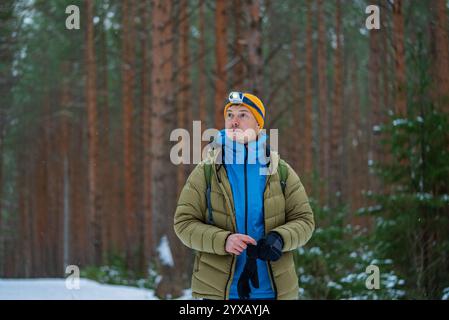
(250, 101)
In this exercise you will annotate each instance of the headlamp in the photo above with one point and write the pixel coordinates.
(236, 97)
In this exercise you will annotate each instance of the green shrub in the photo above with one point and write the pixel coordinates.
(333, 263)
(116, 273)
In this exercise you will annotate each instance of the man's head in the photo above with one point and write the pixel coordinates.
(244, 116)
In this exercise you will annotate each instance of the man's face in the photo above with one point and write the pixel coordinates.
(240, 124)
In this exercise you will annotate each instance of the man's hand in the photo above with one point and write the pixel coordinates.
(236, 243)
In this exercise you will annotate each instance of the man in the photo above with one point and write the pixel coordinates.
(243, 219)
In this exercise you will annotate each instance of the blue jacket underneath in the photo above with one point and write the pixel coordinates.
(244, 166)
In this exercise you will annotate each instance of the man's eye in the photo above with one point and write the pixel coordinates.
(242, 115)
(229, 115)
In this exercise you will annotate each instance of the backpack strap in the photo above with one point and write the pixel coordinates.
(208, 175)
(283, 174)
(282, 169)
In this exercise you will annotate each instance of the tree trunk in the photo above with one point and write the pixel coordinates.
(146, 139)
(4, 92)
(202, 69)
(308, 92)
(387, 72)
(41, 199)
(221, 46)
(64, 157)
(183, 103)
(2, 228)
(162, 169)
(374, 69)
(337, 139)
(91, 100)
(355, 162)
(441, 61)
(7, 44)
(323, 102)
(297, 143)
(254, 48)
(185, 117)
(106, 207)
(57, 184)
(399, 56)
(128, 40)
(239, 69)
(24, 231)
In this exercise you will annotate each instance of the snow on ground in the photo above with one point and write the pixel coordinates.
(55, 289)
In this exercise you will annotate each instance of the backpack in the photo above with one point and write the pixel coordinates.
(281, 169)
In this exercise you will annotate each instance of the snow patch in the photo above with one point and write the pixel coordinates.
(164, 252)
(398, 122)
(55, 289)
(445, 294)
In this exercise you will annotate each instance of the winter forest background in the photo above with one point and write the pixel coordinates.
(86, 115)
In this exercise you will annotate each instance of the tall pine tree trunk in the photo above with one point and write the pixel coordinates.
(323, 102)
(128, 41)
(308, 92)
(163, 171)
(65, 178)
(105, 171)
(146, 139)
(66, 223)
(25, 230)
(7, 46)
(79, 194)
(441, 59)
(355, 162)
(202, 68)
(2, 227)
(399, 56)
(254, 41)
(297, 143)
(184, 105)
(185, 119)
(93, 163)
(374, 76)
(221, 46)
(239, 69)
(337, 110)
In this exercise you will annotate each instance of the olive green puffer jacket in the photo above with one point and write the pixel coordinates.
(290, 216)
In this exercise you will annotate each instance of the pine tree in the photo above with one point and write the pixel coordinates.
(412, 216)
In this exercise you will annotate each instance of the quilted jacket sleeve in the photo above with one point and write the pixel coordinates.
(299, 221)
(189, 220)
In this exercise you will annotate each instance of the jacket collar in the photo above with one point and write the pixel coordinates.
(214, 153)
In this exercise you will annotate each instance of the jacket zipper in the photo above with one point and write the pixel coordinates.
(246, 189)
(229, 278)
(268, 262)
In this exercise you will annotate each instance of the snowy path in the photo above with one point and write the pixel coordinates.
(55, 289)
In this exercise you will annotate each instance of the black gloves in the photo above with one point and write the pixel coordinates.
(267, 249)
(249, 273)
(270, 247)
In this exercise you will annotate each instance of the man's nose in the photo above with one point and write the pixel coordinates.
(235, 122)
